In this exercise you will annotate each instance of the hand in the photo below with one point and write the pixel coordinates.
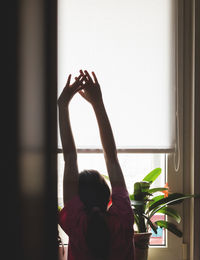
(91, 89)
(69, 90)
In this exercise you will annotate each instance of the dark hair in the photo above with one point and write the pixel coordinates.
(95, 194)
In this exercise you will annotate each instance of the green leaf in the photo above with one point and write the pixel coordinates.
(172, 199)
(157, 189)
(136, 211)
(136, 220)
(170, 212)
(153, 175)
(169, 226)
(151, 224)
(152, 201)
(106, 177)
(156, 198)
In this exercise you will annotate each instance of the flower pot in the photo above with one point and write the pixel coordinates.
(141, 245)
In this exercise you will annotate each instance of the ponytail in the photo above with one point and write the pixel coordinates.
(94, 192)
(98, 235)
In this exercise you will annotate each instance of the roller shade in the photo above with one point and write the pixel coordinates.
(131, 47)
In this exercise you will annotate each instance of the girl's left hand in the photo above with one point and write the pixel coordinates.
(69, 90)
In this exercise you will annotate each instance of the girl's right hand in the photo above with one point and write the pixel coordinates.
(91, 92)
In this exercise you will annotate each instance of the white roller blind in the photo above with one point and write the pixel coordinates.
(130, 44)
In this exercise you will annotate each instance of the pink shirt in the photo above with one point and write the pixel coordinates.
(73, 221)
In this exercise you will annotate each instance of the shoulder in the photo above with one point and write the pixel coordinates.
(121, 204)
(72, 213)
(120, 190)
(120, 195)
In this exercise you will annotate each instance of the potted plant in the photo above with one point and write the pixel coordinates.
(146, 203)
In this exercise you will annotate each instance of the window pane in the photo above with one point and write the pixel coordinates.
(131, 47)
(158, 239)
(134, 166)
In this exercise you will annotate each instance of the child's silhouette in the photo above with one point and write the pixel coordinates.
(97, 230)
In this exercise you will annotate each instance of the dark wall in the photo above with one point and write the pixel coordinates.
(29, 116)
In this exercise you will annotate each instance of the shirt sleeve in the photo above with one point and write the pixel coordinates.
(72, 216)
(121, 205)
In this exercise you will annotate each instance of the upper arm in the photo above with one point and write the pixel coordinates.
(72, 216)
(115, 172)
(121, 207)
(70, 179)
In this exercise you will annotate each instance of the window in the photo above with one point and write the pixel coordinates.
(131, 45)
(134, 167)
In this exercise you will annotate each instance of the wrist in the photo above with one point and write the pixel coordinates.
(62, 105)
(98, 104)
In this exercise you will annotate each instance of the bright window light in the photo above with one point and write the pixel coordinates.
(130, 44)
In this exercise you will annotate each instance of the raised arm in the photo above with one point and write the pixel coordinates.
(92, 93)
(70, 180)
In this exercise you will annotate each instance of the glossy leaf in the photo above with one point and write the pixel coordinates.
(157, 190)
(136, 220)
(153, 175)
(156, 198)
(151, 224)
(171, 213)
(169, 226)
(172, 199)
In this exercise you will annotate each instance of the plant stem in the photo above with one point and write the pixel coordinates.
(141, 226)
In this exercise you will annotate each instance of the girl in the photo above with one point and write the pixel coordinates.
(97, 230)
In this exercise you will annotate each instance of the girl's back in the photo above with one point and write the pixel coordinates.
(119, 218)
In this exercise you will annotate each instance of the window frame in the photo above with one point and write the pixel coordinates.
(175, 245)
(175, 178)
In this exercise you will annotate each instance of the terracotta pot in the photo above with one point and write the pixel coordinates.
(141, 245)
